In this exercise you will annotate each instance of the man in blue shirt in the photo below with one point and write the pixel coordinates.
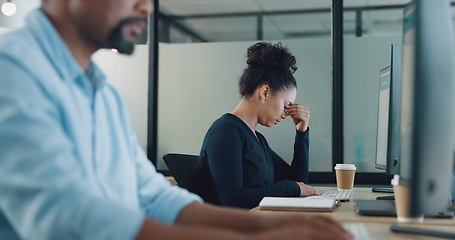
(70, 165)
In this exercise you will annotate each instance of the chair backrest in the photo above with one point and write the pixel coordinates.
(184, 169)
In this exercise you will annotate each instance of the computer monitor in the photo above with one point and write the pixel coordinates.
(388, 128)
(427, 132)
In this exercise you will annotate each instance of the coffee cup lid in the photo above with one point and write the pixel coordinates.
(395, 179)
(340, 166)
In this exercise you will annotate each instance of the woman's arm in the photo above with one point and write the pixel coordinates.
(298, 171)
(225, 160)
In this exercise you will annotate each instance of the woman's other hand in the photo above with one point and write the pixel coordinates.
(306, 190)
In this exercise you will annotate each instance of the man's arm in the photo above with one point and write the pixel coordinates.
(154, 230)
(204, 221)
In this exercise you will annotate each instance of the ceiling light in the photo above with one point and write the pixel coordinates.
(8, 8)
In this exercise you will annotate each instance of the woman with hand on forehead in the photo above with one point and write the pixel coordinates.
(237, 167)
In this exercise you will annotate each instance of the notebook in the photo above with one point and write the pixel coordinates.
(311, 204)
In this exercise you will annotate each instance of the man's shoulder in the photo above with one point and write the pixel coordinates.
(20, 48)
(17, 43)
(22, 54)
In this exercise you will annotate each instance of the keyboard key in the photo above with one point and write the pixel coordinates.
(340, 195)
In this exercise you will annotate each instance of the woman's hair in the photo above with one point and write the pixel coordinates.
(268, 64)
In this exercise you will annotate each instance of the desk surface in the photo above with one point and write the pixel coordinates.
(378, 227)
(171, 180)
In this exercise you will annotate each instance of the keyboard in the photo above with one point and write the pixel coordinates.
(359, 231)
(340, 195)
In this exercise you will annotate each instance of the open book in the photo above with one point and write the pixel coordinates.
(312, 204)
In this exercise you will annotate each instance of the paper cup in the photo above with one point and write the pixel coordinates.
(402, 202)
(345, 174)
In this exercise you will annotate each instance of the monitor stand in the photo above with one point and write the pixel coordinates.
(392, 197)
(383, 190)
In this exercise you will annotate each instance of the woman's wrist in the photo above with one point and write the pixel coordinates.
(302, 129)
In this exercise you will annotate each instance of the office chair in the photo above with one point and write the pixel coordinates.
(184, 170)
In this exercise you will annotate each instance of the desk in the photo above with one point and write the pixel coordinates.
(171, 180)
(378, 227)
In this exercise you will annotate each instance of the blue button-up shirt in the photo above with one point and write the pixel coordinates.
(70, 165)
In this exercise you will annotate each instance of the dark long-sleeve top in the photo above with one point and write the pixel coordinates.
(237, 169)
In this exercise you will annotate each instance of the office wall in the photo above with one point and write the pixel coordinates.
(129, 75)
(199, 82)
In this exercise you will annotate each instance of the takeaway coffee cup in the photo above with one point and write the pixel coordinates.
(345, 175)
(402, 202)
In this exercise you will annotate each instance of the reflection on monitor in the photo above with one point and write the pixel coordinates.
(427, 104)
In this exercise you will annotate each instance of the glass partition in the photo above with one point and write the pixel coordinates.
(198, 82)
(368, 34)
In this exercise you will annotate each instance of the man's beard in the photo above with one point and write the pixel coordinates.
(118, 41)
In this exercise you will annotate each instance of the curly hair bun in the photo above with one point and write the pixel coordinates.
(267, 56)
(270, 64)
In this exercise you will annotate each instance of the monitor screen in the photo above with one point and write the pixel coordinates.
(388, 128)
(393, 149)
(383, 118)
(427, 104)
